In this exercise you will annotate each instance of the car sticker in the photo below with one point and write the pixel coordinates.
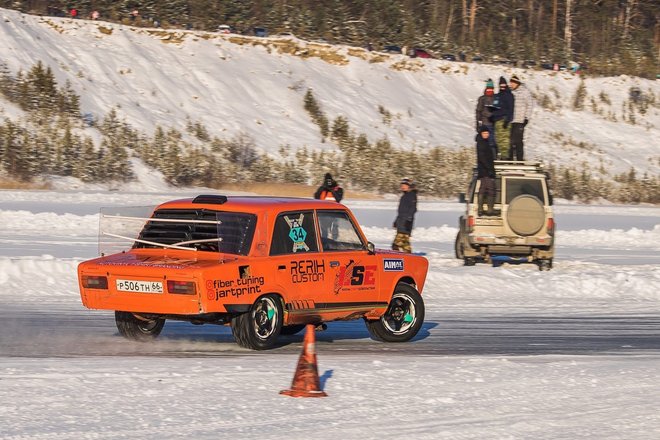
(216, 289)
(392, 265)
(307, 271)
(355, 275)
(297, 233)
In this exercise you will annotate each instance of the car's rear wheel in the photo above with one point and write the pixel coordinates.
(259, 328)
(403, 318)
(137, 327)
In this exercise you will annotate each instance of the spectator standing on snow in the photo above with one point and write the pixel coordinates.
(405, 216)
(74, 13)
(329, 190)
(522, 112)
(485, 111)
(485, 172)
(502, 116)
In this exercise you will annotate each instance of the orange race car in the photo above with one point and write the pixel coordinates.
(265, 265)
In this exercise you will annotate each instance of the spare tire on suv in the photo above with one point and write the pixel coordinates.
(526, 215)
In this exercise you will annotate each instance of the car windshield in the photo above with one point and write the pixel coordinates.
(199, 229)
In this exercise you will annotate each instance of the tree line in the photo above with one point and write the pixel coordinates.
(50, 140)
(608, 36)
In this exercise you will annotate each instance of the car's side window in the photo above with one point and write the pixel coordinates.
(337, 231)
(294, 233)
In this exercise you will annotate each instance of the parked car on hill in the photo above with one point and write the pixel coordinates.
(264, 265)
(448, 57)
(260, 32)
(392, 49)
(522, 229)
(417, 52)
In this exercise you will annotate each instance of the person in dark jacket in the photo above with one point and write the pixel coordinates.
(485, 172)
(502, 117)
(329, 190)
(405, 216)
(485, 111)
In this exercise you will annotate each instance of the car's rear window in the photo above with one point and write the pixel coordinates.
(519, 186)
(201, 229)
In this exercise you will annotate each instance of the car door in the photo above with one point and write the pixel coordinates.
(353, 274)
(301, 269)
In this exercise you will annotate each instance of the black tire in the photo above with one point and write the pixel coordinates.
(289, 330)
(259, 328)
(138, 328)
(545, 265)
(459, 252)
(469, 261)
(403, 318)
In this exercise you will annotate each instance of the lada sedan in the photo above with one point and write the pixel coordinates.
(266, 266)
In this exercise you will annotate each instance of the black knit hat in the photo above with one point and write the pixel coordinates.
(483, 128)
(502, 81)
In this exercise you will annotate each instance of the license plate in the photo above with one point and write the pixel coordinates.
(139, 286)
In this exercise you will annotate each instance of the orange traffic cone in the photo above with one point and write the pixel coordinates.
(306, 381)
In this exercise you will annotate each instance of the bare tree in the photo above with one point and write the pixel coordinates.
(568, 32)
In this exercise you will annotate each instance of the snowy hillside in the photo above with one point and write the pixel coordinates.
(234, 84)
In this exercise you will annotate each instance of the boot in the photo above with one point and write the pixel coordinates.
(480, 205)
(491, 205)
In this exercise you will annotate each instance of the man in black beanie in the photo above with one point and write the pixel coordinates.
(330, 190)
(485, 172)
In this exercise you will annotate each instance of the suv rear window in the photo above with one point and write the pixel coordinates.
(516, 187)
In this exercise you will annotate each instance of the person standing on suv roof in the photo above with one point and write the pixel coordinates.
(485, 172)
(522, 111)
(405, 217)
(485, 111)
(502, 116)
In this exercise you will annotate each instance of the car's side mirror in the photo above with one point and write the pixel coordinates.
(371, 248)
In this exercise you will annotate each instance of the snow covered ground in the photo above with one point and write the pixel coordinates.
(506, 353)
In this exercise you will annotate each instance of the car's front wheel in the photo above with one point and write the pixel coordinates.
(403, 318)
(138, 328)
(259, 328)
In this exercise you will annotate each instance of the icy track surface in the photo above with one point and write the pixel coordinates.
(505, 353)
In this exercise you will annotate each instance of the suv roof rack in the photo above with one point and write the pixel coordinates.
(521, 165)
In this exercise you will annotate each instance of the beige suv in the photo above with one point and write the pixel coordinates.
(522, 227)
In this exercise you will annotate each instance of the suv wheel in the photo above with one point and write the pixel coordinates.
(403, 318)
(545, 265)
(259, 328)
(459, 251)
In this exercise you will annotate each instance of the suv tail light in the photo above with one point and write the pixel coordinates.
(551, 226)
(181, 287)
(94, 282)
(470, 223)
